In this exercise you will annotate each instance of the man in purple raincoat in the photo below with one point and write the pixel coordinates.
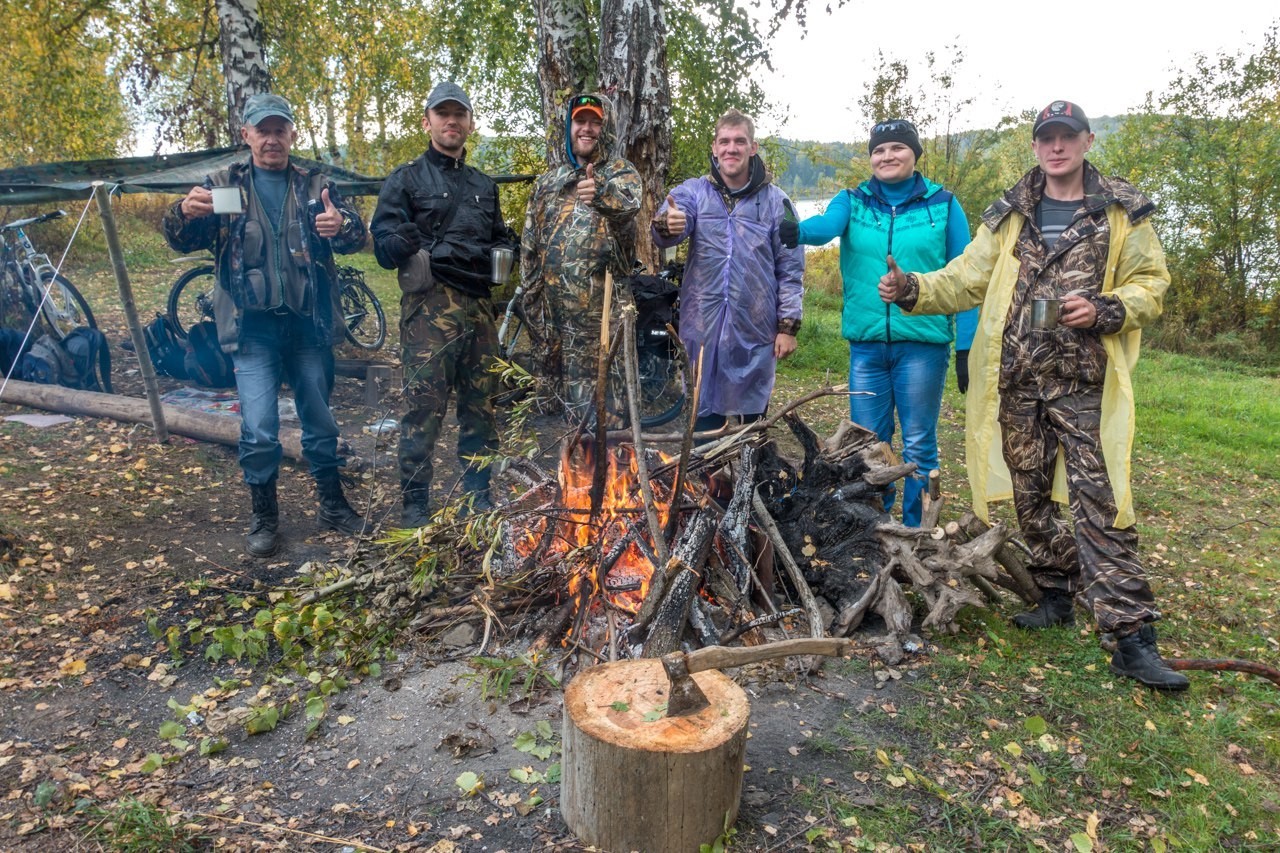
(740, 299)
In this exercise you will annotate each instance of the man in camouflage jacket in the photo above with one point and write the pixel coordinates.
(579, 225)
(1050, 410)
(277, 306)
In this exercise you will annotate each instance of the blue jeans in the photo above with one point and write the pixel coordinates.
(275, 348)
(907, 377)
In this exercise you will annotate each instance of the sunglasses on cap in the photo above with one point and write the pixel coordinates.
(586, 101)
(896, 126)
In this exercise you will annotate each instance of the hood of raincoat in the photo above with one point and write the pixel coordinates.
(606, 145)
(757, 176)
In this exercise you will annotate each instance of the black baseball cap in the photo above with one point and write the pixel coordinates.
(1064, 113)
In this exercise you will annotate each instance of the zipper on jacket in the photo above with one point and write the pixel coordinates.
(893, 217)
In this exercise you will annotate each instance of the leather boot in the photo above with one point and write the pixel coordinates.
(1055, 608)
(475, 492)
(416, 511)
(263, 539)
(335, 512)
(1137, 657)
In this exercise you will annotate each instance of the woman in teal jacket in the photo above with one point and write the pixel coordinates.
(897, 363)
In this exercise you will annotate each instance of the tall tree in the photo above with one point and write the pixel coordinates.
(244, 64)
(1208, 151)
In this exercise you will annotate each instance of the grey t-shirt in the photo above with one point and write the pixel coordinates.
(1054, 216)
(270, 185)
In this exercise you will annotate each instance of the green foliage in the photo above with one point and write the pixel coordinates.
(1207, 150)
(130, 825)
(496, 676)
(59, 97)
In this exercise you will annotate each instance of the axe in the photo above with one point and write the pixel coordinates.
(685, 697)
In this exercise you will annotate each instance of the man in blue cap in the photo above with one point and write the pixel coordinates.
(276, 305)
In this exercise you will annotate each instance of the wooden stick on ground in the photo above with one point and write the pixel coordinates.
(632, 373)
(807, 600)
(602, 387)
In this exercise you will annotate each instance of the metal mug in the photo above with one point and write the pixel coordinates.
(1044, 313)
(502, 259)
(226, 200)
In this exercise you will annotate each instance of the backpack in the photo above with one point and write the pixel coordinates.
(13, 345)
(90, 358)
(168, 355)
(45, 362)
(205, 362)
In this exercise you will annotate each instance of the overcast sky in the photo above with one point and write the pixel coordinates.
(1019, 54)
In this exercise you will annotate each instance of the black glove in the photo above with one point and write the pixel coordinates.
(412, 237)
(962, 369)
(789, 227)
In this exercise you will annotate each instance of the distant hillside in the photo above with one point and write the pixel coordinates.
(810, 169)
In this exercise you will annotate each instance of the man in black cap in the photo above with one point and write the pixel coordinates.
(1054, 386)
(437, 222)
(276, 305)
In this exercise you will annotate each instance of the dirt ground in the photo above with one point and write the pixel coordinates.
(102, 529)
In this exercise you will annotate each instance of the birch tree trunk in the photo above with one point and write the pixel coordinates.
(633, 68)
(243, 61)
(566, 62)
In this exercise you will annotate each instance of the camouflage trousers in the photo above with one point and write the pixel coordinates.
(1098, 560)
(448, 342)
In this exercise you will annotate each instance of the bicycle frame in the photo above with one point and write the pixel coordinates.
(32, 265)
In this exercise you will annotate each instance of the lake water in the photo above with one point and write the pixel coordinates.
(811, 207)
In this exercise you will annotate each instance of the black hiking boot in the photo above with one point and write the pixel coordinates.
(475, 493)
(263, 538)
(416, 511)
(1055, 608)
(335, 512)
(1137, 657)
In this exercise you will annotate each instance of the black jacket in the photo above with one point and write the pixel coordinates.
(457, 213)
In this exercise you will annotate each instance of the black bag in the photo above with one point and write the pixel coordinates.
(655, 298)
(168, 355)
(13, 345)
(205, 362)
(90, 358)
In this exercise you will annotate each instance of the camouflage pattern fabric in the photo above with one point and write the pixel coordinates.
(1061, 361)
(566, 249)
(1099, 560)
(448, 341)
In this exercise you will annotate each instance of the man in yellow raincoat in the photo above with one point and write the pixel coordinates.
(1050, 407)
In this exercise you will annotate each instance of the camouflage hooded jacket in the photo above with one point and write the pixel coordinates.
(567, 247)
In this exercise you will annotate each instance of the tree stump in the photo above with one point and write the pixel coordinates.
(633, 778)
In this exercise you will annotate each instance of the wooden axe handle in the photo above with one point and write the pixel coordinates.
(722, 657)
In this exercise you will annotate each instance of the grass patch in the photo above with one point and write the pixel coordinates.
(133, 826)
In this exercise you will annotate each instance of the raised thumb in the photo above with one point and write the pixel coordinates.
(789, 212)
(893, 267)
(591, 172)
(324, 197)
(671, 202)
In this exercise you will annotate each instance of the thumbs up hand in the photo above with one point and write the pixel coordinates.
(586, 189)
(329, 221)
(893, 283)
(789, 227)
(676, 220)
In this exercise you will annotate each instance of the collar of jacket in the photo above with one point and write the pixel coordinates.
(1099, 193)
(757, 177)
(923, 188)
(444, 161)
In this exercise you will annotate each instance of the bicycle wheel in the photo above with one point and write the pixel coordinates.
(366, 324)
(191, 300)
(13, 309)
(661, 390)
(63, 309)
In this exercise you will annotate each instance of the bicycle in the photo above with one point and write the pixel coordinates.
(659, 360)
(365, 323)
(30, 279)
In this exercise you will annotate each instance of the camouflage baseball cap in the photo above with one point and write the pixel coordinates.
(264, 105)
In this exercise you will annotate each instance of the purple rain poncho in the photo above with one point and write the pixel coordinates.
(739, 281)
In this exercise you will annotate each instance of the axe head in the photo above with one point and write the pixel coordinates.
(684, 696)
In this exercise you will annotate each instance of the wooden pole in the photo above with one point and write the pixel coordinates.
(600, 452)
(147, 369)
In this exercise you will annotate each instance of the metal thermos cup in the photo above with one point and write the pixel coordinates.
(1044, 313)
(501, 268)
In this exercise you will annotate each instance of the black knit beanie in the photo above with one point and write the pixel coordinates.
(895, 130)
